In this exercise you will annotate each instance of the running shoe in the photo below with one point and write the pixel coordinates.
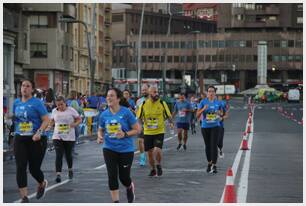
(185, 147)
(41, 190)
(213, 169)
(142, 159)
(130, 193)
(70, 174)
(221, 154)
(25, 199)
(58, 179)
(153, 173)
(159, 170)
(178, 147)
(208, 169)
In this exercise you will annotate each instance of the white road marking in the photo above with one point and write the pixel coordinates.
(46, 190)
(238, 155)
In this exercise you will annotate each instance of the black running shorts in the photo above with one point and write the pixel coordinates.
(151, 141)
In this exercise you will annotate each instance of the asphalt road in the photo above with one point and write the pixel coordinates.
(270, 171)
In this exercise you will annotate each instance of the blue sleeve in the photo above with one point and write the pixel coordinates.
(201, 105)
(41, 108)
(130, 117)
(175, 108)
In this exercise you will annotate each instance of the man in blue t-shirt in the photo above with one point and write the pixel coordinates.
(93, 101)
(182, 110)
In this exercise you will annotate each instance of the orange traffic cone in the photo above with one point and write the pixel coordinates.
(249, 129)
(244, 144)
(229, 190)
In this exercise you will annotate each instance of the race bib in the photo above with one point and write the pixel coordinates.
(152, 123)
(211, 117)
(26, 128)
(63, 128)
(113, 128)
(182, 114)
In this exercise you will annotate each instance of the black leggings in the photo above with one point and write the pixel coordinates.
(211, 136)
(61, 147)
(118, 161)
(220, 139)
(27, 151)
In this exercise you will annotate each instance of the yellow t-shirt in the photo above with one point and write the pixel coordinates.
(153, 115)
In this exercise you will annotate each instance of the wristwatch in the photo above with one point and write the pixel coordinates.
(126, 134)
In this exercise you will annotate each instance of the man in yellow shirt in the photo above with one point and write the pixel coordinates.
(153, 113)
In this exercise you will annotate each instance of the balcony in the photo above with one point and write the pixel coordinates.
(108, 7)
(107, 21)
(69, 11)
(272, 23)
(107, 35)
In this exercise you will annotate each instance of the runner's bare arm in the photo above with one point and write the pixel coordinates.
(100, 138)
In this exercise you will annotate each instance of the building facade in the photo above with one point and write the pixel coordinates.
(98, 19)
(203, 11)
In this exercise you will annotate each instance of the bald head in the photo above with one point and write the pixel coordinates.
(153, 91)
(145, 90)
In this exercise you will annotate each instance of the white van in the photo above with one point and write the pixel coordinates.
(293, 95)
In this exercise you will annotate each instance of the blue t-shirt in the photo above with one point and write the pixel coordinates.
(102, 104)
(210, 115)
(111, 123)
(194, 105)
(182, 116)
(28, 116)
(132, 103)
(93, 101)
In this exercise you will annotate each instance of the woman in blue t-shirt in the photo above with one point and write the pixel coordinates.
(117, 126)
(210, 108)
(31, 119)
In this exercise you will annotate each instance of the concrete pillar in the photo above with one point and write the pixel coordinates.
(242, 74)
(201, 81)
(284, 76)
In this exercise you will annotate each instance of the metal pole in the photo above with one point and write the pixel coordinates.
(196, 68)
(93, 52)
(165, 53)
(139, 52)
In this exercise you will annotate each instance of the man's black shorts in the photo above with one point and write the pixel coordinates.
(151, 141)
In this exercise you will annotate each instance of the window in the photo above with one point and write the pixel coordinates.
(248, 58)
(235, 58)
(201, 58)
(221, 44)
(176, 45)
(144, 44)
(255, 58)
(228, 58)
(189, 59)
(163, 44)
(276, 43)
(284, 44)
(144, 58)
(300, 7)
(208, 44)
(248, 44)
(228, 43)
(201, 44)
(290, 58)
(269, 58)
(150, 59)
(150, 44)
(39, 21)
(242, 43)
(221, 58)
(273, 18)
(25, 41)
(156, 58)
(170, 44)
(283, 58)
(117, 17)
(207, 58)
(236, 43)
(241, 58)
(169, 59)
(183, 59)
(157, 45)
(290, 43)
(298, 58)
(176, 59)
(189, 45)
(275, 58)
(39, 50)
(298, 44)
(71, 53)
(214, 44)
(299, 20)
(162, 59)
(214, 58)
(183, 45)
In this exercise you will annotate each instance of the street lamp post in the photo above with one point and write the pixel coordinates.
(91, 63)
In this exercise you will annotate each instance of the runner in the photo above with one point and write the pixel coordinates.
(31, 119)
(65, 119)
(221, 129)
(183, 109)
(127, 96)
(117, 126)
(153, 112)
(140, 139)
(211, 109)
(193, 119)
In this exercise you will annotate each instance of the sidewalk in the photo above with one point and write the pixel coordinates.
(8, 154)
